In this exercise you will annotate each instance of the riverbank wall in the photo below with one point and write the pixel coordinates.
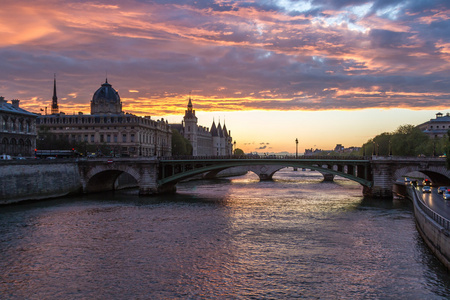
(35, 180)
(434, 229)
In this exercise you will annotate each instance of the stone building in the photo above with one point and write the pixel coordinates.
(17, 129)
(438, 127)
(216, 141)
(124, 134)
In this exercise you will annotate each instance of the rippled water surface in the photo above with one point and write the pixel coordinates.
(295, 237)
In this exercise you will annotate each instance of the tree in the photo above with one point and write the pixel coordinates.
(407, 140)
(46, 140)
(180, 145)
(238, 151)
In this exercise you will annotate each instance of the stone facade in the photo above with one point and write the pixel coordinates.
(438, 127)
(216, 141)
(17, 129)
(125, 134)
(36, 179)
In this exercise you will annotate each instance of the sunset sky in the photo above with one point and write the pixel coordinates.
(322, 71)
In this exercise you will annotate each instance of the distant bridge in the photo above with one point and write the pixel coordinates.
(376, 174)
(174, 170)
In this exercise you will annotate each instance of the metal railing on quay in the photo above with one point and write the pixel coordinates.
(445, 223)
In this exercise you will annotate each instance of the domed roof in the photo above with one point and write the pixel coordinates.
(106, 94)
(106, 100)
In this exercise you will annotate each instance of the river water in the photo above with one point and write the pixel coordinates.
(235, 238)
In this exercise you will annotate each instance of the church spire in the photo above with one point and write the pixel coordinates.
(55, 108)
(190, 112)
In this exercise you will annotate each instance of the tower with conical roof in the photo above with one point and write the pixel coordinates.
(191, 126)
(217, 136)
(55, 108)
(228, 140)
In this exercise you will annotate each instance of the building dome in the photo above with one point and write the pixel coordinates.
(106, 100)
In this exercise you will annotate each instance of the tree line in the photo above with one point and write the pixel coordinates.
(407, 140)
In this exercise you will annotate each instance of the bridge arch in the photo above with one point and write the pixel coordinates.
(104, 178)
(438, 175)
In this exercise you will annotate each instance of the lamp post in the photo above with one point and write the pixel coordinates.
(234, 147)
(296, 151)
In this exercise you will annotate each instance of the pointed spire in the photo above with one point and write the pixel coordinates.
(225, 130)
(55, 108)
(214, 129)
(190, 112)
(219, 130)
(55, 98)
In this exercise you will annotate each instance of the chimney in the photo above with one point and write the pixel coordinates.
(15, 103)
(2, 100)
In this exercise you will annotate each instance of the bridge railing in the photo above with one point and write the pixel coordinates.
(445, 223)
(256, 156)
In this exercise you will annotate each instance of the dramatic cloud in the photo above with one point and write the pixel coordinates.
(230, 55)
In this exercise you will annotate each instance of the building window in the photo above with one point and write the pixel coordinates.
(132, 138)
(108, 138)
(115, 138)
(92, 138)
(102, 138)
(124, 138)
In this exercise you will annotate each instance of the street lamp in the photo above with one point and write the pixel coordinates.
(296, 148)
(234, 147)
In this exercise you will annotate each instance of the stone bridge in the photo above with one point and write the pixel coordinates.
(377, 175)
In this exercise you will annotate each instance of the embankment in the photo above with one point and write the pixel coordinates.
(434, 229)
(34, 180)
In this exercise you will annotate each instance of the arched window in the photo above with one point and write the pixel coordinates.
(21, 147)
(13, 124)
(4, 146)
(13, 147)
(3, 124)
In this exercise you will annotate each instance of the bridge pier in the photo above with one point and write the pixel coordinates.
(264, 177)
(383, 179)
(264, 172)
(328, 177)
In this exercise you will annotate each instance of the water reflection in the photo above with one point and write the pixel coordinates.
(295, 237)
